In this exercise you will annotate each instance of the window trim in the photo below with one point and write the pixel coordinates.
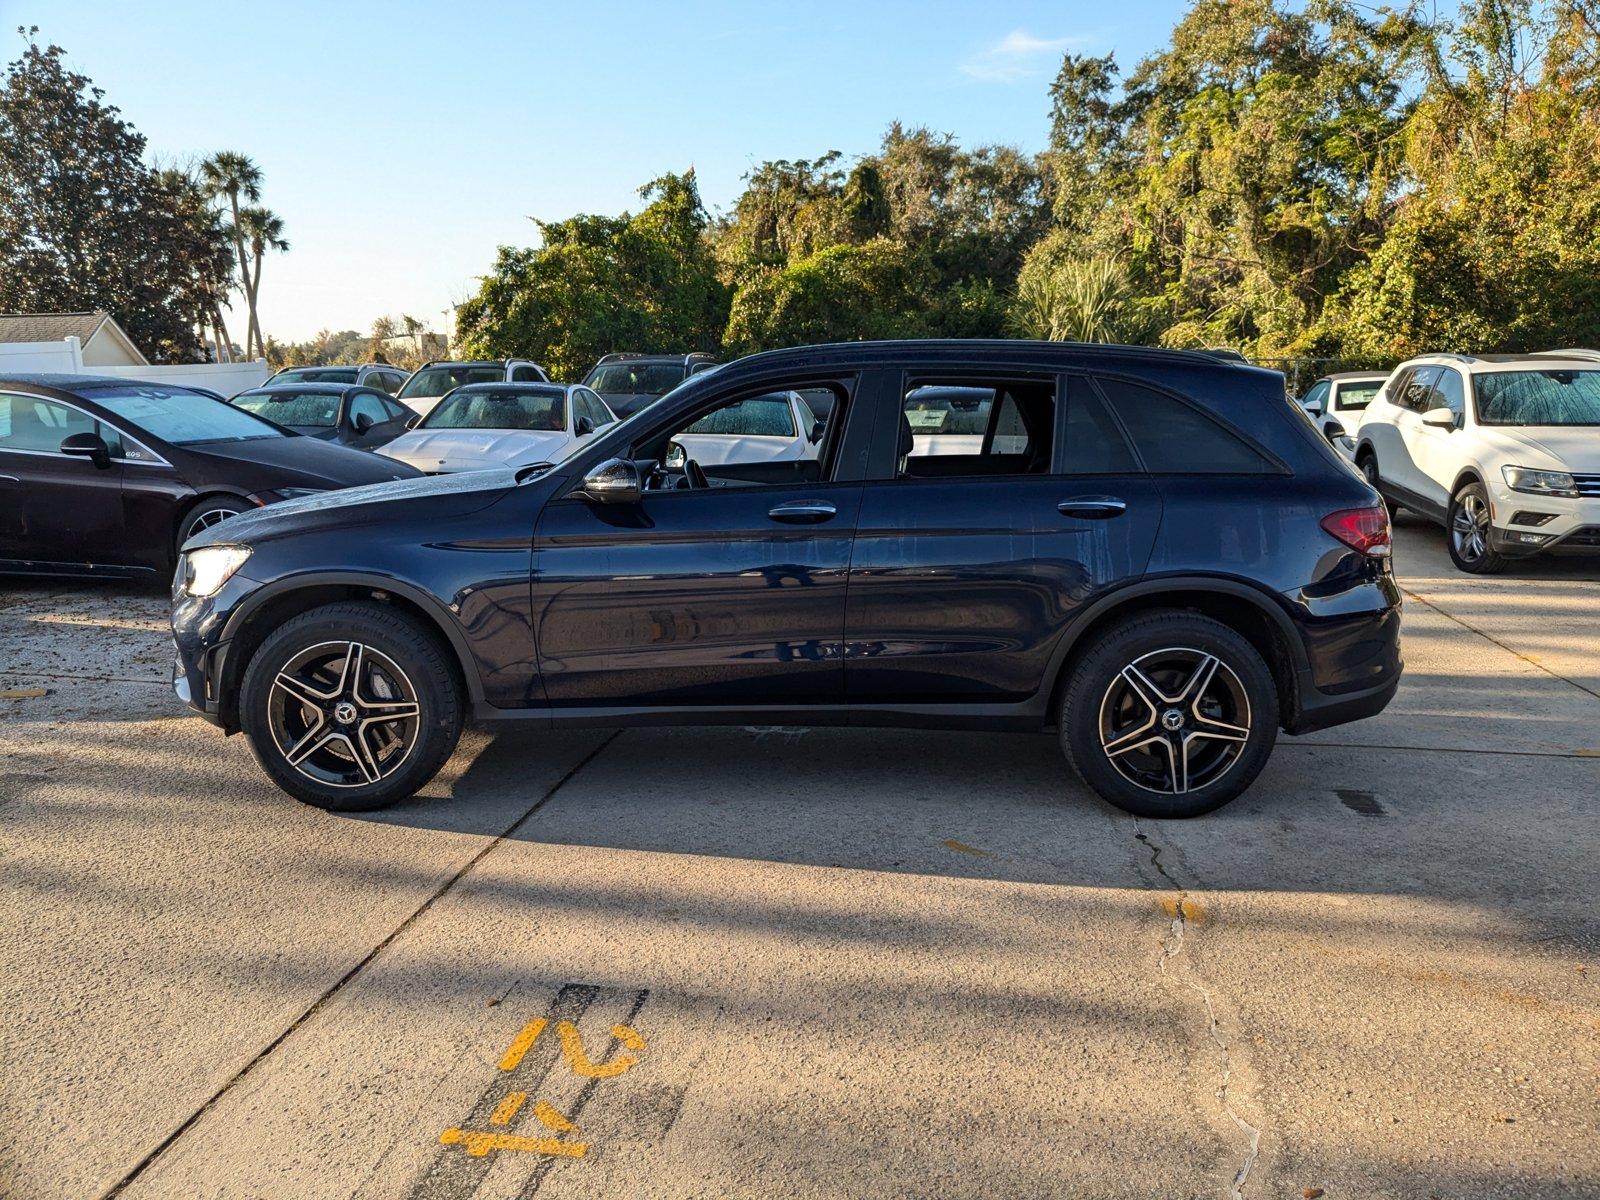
(156, 460)
(1279, 467)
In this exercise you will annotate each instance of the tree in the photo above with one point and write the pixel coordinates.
(263, 230)
(1077, 300)
(85, 224)
(230, 175)
(645, 282)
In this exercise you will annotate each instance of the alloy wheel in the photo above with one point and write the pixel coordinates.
(210, 517)
(1469, 527)
(1174, 720)
(343, 714)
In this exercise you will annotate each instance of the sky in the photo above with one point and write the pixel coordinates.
(403, 142)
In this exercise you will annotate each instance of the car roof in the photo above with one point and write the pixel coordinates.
(524, 385)
(1343, 376)
(80, 383)
(960, 352)
(300, 389)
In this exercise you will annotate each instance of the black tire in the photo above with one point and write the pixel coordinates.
(1367, 463)
(1466, 532)
(206, 512)
(1102, 708)
(400, 664)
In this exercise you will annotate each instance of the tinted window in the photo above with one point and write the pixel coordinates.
(182, 417)
(33, 423)
(1174, 438)
(1448, 392)
(1093, 443)
(526, 375)
(1416, 388)
(320, 409)
(966, 429)
(543, 410)
(636, 379)
(317, 375)
(436, 381)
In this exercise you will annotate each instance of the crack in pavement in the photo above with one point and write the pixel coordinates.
(1171, 946)
(321, 1001)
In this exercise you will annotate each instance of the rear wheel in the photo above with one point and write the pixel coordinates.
(1467, 532)
(1169, 714)
(351, 707)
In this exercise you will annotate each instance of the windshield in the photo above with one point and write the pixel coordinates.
(182, 417)
(635, 379)
(1358, 395)
(1538, 397)
(526, 409)
(292, 408)
(316, 375)
(760, 416)
(436, 381)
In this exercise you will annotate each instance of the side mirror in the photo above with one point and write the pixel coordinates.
(1439, 418)
(585, 426)
(818, 428)
(411, 421)
(363, 422)
(615, 481)
(87, 445)
(1314, 407)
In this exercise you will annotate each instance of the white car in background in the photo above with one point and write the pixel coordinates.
(1503, 450)
(432, 381)
(1336, 402)
(778, 427)
(486, 425)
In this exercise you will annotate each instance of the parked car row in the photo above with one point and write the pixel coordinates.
(1502, 450)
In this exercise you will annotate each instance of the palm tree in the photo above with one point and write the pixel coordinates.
(264, 228)
(232, 175)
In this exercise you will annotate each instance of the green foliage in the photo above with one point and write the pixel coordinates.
(85, 224)
(646, 282)
(1077, 299)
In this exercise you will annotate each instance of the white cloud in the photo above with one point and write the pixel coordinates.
(1018, 55)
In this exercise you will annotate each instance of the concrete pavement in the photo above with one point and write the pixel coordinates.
(832, 963)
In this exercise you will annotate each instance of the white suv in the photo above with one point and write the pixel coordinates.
(1501, 449)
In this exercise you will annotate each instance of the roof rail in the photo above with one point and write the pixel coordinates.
(1572, 352)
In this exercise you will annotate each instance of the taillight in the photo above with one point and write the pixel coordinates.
(1365, 530)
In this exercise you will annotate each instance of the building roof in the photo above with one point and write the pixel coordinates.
(50, 327)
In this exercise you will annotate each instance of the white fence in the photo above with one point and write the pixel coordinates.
(66, 358)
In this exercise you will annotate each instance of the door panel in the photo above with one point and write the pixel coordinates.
(54, 508)
(960, 588)
(698, 597)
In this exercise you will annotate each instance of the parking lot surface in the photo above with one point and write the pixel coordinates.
(763, 962)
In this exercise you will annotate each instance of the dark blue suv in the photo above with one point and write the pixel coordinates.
(1151, 552)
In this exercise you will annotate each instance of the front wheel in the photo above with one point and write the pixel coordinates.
(351, 707)
(1169, 714)
(1468, 531)
(1368, 466)
(211, 510)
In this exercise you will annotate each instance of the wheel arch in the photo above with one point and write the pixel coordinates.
(267, 609)
(186, 509)
(1245, 609)
(1468, 474)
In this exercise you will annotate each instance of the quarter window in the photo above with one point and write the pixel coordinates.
(1175, 438)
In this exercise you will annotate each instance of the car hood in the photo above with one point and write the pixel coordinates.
(476, 449)
(1550, 447)
(453, 494)
(302, 461)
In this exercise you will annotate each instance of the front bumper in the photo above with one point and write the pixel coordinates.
(200, 649)
(1523, 523)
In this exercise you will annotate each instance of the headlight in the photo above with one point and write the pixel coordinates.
(1540, 483)
(205, 570)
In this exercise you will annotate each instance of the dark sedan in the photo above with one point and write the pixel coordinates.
(356, 416)
(112, 476)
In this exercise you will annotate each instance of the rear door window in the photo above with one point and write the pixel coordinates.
(1173, 437)
(1091, 443)
(953, 428)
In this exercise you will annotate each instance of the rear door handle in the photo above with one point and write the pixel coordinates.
(1092, 508)
(803, 512)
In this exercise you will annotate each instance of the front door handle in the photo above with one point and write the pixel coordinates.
(1092, 508)
(803, 512)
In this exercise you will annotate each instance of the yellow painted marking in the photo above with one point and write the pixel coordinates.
(1193, 911)
(952, 844)
(572, 1048)
(523, 1043)
(507, 1108)
(628, 1036)
(551, 1119)
(479, 1145)
(32, 693)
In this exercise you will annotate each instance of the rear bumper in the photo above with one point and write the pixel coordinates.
(1319, 710)
(1353, 663)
